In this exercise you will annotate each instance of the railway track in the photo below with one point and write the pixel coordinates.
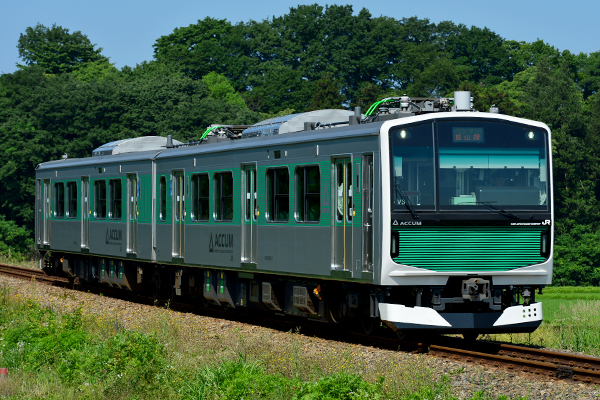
(524, 359)
(31, 274)
(548, 363)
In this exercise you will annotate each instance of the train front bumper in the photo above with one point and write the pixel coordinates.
(512, 320)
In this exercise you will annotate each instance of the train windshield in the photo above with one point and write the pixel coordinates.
(478, 164)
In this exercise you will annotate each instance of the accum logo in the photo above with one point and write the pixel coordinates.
(219, 242)
(405, 223)
(114, 235)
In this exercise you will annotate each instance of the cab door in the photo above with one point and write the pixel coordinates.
(367, 212)
(178, 203)
(250, 214)
(343, 212)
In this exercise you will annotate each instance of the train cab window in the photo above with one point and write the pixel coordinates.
(72, 199)
(413, 168)
(278, 195)
(116, 199)
(59, 200)
(223, 196)
(163, 198)
(308, 188)
(200, 192)
(100, 199)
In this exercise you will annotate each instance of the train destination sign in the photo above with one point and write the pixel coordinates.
(467, 135)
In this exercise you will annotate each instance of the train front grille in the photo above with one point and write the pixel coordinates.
(469, 248)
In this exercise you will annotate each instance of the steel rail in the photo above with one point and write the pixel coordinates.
(545, 367)
(32, 274)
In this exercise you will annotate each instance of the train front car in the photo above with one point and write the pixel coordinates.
(467, 223)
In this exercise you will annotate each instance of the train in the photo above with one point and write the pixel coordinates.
(420, 214)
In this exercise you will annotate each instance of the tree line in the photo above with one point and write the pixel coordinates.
(66, 97)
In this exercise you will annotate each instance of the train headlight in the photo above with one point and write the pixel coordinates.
(531, 135)
(404, 134)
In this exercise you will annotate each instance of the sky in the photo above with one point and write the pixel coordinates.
(126, 29)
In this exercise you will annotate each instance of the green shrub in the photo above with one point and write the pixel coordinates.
(236, 380)
(15, 241)
(339, 386)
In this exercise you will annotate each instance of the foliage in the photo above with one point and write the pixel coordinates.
(55, 49)
(38, 339)
(338, 386)
(327, 94)
(13, 238)
(97, 71)
(221, 89)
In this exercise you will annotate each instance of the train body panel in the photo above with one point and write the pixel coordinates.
(398, 221)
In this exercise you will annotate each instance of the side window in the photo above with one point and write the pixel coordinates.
(72, 199)
(278, 195)
(224, 196)
(200, 197)
(100, 199)
(308, 206)
(59, 200)
(163, 198)
(116, 198)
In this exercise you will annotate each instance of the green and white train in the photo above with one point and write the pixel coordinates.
(420, 213)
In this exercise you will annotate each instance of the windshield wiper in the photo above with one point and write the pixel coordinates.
(407, 202)
(499, 210)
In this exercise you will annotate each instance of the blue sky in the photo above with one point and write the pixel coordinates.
(126, 30)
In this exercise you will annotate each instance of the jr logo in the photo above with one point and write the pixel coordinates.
(547, 222)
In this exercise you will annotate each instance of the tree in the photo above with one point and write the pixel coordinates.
(97, 71)
(221, 89)
(198, 49)
(327, 94)
(485, 96)
(55, 49)
(482, 51)
(590, 75)
(368, 94)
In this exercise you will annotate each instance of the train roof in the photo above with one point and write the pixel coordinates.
(276, 140)
(298, 128)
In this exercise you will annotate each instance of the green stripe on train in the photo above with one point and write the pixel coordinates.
(469, 248)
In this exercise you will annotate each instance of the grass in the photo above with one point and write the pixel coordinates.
(12, 259)
(79, 354)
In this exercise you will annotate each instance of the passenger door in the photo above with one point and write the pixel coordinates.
(85, 212)
(178, 202)
(47, 210)
(133, 194)
(343, 213)
(250, 215)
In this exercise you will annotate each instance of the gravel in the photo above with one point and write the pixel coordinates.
(465, 379)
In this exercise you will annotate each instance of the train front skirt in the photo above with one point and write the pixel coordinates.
(513, 319)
